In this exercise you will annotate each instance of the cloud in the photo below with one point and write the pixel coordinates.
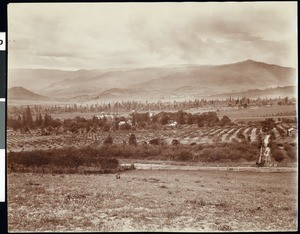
(207, 37)
(75, 36)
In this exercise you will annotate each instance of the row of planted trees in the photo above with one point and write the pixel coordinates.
(26, 121)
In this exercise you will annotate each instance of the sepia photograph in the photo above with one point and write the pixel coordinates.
(158, 116)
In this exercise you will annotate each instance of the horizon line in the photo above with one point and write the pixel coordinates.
(143, 67)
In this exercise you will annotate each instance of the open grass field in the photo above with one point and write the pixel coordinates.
(259, 113)
(153, 200)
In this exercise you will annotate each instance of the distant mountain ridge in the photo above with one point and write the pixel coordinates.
(154, 83)
(20, 93)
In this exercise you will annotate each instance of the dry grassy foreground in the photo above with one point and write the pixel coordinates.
(153, 201)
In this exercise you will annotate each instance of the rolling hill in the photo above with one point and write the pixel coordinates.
(154, 83)
(21, 93)
(230, 77)
(118, 94)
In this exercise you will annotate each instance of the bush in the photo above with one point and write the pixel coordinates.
(249, 139)
(185, 155)
(230, 152)
(106, 128)
(277, 155)
(125, 126)
(225, 121)
(290, 150)
(175, 142)
(35, 158)
(154, 141)
(108, 140)
(267, 125)
(110, 163)
(280, 130)
(241, 136)
(142, 125)
(164, 119)
(132, 140)
(68, 157)
(272, 136)
(212, 155)
(276, 152)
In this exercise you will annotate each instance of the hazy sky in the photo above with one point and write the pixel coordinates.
(106, 35)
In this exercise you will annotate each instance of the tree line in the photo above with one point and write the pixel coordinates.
(243, 102)
(45, 122)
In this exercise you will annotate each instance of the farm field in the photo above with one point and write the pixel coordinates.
(259, 113)
(153, 200)
(187, 134)
(255, 113)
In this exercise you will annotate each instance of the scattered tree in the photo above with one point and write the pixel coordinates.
(132, 140)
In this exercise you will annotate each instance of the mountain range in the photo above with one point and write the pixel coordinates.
(153, 83)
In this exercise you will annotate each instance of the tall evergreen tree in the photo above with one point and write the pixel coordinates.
(28, 117)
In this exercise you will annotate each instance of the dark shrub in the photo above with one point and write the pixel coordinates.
(241, 136)
(67, 157)
(142, 125)
(108, 140)
(154, 141)
(175, 142)
(225, 121)
(110, 163)
(164, 119)
(280, 130)
(276, 152)
(45, 133)
(249, 139)
(185, 155)
(267, 125)
(35, 158)
(106, 128)
(272, 136)
(277, 155)
(125, 126)
(132, 140)
(290, 150)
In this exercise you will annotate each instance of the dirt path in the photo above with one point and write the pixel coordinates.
(157, 166)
